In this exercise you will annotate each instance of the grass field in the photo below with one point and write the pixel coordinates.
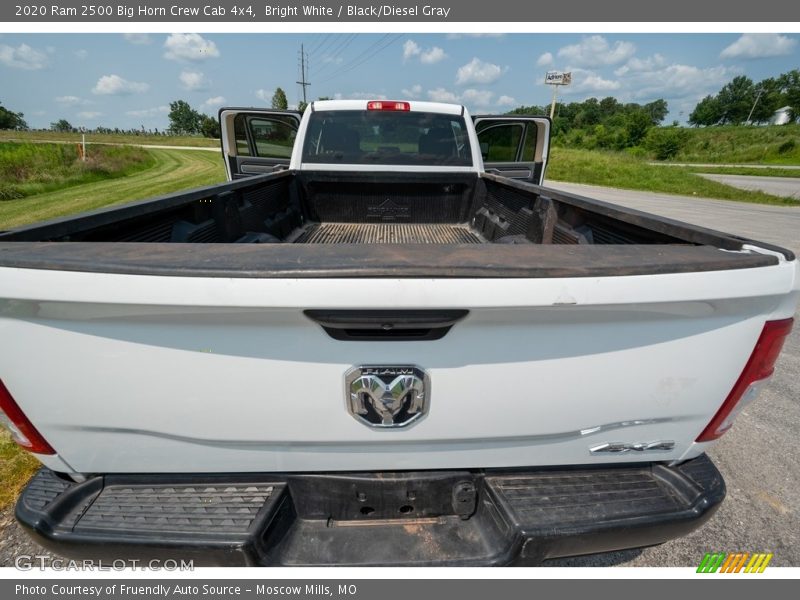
(741, 144)
(172, 170)
(110, 138)
(618, 169)
(27, 169)
(16, 468)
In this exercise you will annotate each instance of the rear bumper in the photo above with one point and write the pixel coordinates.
(488, 517)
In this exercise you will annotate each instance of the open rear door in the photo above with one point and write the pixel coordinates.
(256, 141)
(514, 146)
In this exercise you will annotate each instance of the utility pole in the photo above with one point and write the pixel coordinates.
(303, 73)
(760, 91)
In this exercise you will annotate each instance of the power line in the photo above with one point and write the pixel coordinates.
(333, 55)
(320, 41)
(368, 54)
(329, 38)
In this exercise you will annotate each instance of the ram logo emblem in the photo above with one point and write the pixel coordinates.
(387, 396)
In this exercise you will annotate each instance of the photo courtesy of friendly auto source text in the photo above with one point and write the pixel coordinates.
(404, 285)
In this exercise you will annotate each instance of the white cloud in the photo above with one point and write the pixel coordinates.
(214, 102)
(23, 57)
(428, 56)
(81, 54)
(189, 47)
(359, 96)
(332, 60)
(70, 100)
(478, 71)
(432, 56)
(89, 114)
(590, 82)
(545, 60)
(413, 92)
(475, 97)
(595, 51)
(410, 49)
(149, 112)
(760, 45)
(635, 65)
(137, 38)
(265, 95)
(677, 81)
(114, 85)
(442, 95)
(193, 80)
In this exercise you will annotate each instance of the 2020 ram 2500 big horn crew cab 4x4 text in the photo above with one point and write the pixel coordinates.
(382, 342)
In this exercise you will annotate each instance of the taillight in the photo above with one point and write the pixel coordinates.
(388, 105)
(22, 430)
(756, 373)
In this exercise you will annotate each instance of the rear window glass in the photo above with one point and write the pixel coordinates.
(386, 138)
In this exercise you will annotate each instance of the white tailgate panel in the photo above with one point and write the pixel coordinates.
(539, 372)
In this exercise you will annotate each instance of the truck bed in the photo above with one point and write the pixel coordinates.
(387, 233)
(342, 224)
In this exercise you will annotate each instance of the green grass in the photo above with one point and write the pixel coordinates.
(741, 144)
(110, 138)
(769, 172)
(16, 468)
(27, 169)
(621, 170)
(171, 171)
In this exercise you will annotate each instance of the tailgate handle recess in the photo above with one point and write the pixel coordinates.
(386, 325)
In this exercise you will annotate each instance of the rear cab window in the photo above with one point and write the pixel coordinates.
(362, 137)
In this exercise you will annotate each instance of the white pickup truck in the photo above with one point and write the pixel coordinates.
(383, 342)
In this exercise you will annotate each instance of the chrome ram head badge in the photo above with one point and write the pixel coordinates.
(387, 396)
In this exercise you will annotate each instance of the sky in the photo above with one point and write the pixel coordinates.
(128, 80)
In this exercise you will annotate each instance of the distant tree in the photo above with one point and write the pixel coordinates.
(790, 83)
(637, 123)
(61, 125)
(209, 127)
(279, 101)
(707, 112)
(11, 120)
(301, 106)
(736, 99)
(183, 119)
(657, 110)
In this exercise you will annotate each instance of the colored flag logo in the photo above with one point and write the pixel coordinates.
(737, 562)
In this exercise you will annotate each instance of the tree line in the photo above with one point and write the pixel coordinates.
(11, 120)
(743, 101)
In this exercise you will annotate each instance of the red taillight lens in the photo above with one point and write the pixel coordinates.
(22, 430)
(756, 372)
(388, 105)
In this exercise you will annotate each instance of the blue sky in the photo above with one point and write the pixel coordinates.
(127, 80)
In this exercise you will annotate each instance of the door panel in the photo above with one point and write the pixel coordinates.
(257, 141)
(514, 146)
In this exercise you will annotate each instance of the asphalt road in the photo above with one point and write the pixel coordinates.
(788, 187)
(776, 224)
(758, 458)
